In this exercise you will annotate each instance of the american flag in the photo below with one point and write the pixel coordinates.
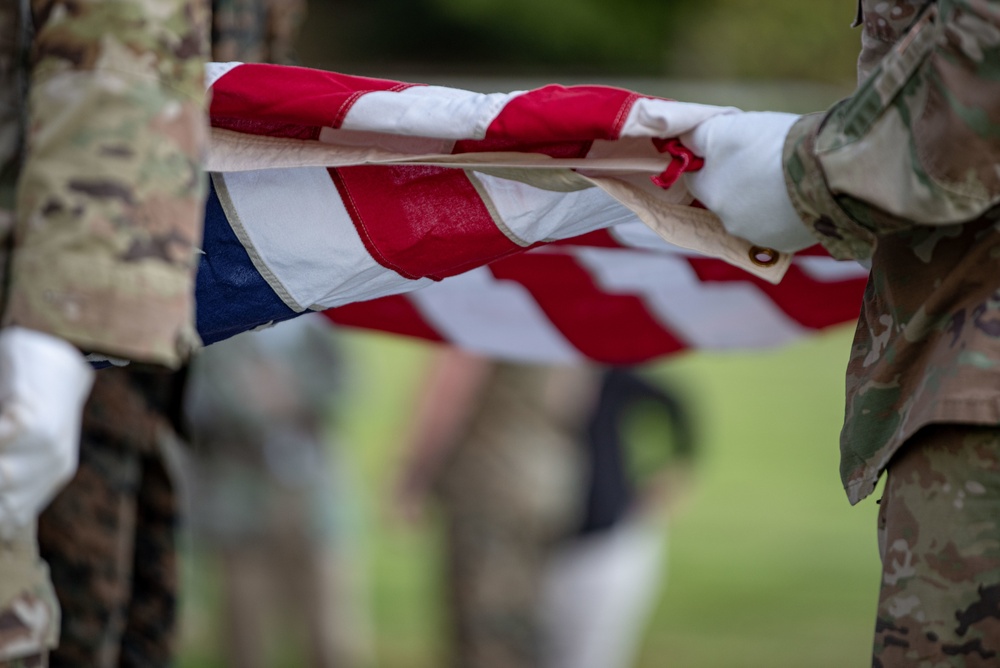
(517, 225)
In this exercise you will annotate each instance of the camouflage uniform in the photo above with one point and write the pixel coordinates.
(905, 172)
(118, 595)
(110, 191)
(109, 536)
(101, 134)
(540, 478)
(509, 491)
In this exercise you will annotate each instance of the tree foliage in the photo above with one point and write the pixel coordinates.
(680, 38)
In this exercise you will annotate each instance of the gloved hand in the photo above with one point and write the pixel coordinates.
(742, 181)
(44, 383)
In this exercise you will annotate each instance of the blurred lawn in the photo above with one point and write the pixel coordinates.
(768, 564)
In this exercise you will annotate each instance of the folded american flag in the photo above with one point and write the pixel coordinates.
(518, 225)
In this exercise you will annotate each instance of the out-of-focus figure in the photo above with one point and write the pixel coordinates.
(270, 499)
(554, 539)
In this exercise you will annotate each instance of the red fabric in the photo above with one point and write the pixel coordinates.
(616, 329)
(394, 314)
(431, 222)
(253, 93)
(597, 238)
(434, 225)
(811, 303)
(557, 113)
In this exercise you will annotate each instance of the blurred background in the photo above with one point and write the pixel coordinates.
(765, 562)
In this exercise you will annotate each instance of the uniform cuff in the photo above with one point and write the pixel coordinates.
(841, 235)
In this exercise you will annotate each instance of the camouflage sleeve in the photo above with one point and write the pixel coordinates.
(917, 144)
(29, 610)
(111, 192)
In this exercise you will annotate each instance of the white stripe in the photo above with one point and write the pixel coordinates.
(534, 215)
(299, 227)
(666, 118)
(704, 315)
(477, 312)
(639, 235)
(215, 71)
(829, 270)
(427, 111)
(386, 142)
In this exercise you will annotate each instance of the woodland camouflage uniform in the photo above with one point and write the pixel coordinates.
(101, 134)
(906, 172)
(109, 537)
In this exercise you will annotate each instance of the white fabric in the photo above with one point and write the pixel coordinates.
(532, 214)
(478, 313)
(427, 111)
(718, 304)
(215, 71)
(304, 238)
(44, 383)
(743, 182)
(652, 117)
(598, 593)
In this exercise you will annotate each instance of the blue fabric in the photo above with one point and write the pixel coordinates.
(230, 293)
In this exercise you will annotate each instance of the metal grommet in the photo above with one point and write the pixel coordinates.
(764, 257)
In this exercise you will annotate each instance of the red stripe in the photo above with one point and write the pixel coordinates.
(421, 221)
(560, 114)
(595, 239)
(813, 304)
(608, 328)
(395, 314)
(268, 96)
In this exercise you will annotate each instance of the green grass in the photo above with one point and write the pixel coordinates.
(768, 564)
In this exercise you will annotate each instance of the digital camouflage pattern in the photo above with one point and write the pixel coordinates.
(109, 536)
(940, 598)
(926, 120)
(906, 172)
(110, 194)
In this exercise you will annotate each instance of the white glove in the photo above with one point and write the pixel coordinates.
(44, 383)
(743, 182)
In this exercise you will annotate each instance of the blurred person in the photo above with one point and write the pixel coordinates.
(102, 128)
(554, 546)
(604, 577)
(902, 174)
(270, 498)
(266, 494)
(257, 31)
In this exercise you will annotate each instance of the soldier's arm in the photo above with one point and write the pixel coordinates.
(111, 192)
(918, 142)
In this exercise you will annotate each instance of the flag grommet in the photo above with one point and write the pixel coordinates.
(764, 257)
